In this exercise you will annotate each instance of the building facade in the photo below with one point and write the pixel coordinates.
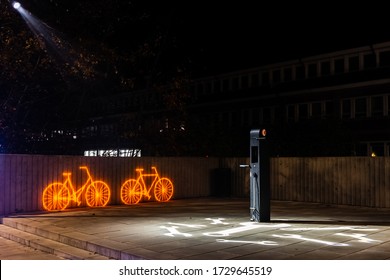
(331, 104)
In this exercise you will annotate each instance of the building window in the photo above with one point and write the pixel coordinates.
(303, 111)
(267, 115)
(361, 108)
(244, 82)
(217, 86)
(291, 113)
(384, 58)
(226, 85)
(316, 110)
(265, 78)
(339, 66)
(287, 74)
(377, 106)
(346, 109)
(369, 61)
(312, 70)
(325, 68)
(255, 80)
(329, 109)
(207, 87)
(246, 117)
(300, 72)
(361, 149)
(278, 114)
(276, 76)
(256, 117)
(377, 149)
(226, 119)
(200, 89)
(235, 83)
(354, 63)
(236, 118)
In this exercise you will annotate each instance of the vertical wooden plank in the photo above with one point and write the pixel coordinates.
(365, 185)
(381, 183)
(305, 174)
(336, 182)
(26, 187)
(28, 182)
(273, 179)
(357, 198)
(47, 176)
(36, 182)
(290, 184)
(343, 182)
(319, 183)
(313, 179)
(387, 182)
(283, 178)
(324, 180)
(8, 184)
(293, 175)
(351, 179)
(364, 182)
(368, 187)
(297, 163)
(300, 179)
(376, 190)
(332, 170)
(372, 178)
(320, 180)
(2, 184)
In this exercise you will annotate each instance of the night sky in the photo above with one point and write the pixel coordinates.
(220, 36)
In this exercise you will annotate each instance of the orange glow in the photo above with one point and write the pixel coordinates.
(134, 189)
(57, 195)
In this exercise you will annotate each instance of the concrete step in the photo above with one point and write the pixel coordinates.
(106, 248)
(47, 245)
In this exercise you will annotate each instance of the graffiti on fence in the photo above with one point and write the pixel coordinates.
(58, 195)
(133, 190)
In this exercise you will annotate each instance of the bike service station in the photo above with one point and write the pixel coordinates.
(260, 191)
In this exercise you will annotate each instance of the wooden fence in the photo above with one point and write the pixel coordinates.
(24, 177)
(358, 181)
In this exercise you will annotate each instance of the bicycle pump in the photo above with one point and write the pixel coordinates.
(260, 194)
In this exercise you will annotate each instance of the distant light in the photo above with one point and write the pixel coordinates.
(16, 5)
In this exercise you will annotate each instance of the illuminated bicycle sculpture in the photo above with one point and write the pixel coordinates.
(57, 195)
(134, 189)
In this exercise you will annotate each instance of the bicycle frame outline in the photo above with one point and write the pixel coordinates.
(57, 195)
(132, 190)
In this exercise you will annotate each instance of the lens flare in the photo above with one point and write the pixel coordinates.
(16, 5)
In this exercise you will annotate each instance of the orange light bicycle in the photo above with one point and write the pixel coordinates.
(133, 189)
(57, 196)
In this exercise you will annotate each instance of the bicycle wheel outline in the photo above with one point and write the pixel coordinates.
(56, 196)
(97, 194)
(163, 190)
(131, 192)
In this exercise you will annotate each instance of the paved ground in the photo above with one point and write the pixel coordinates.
(12, 250)
(210, 228)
